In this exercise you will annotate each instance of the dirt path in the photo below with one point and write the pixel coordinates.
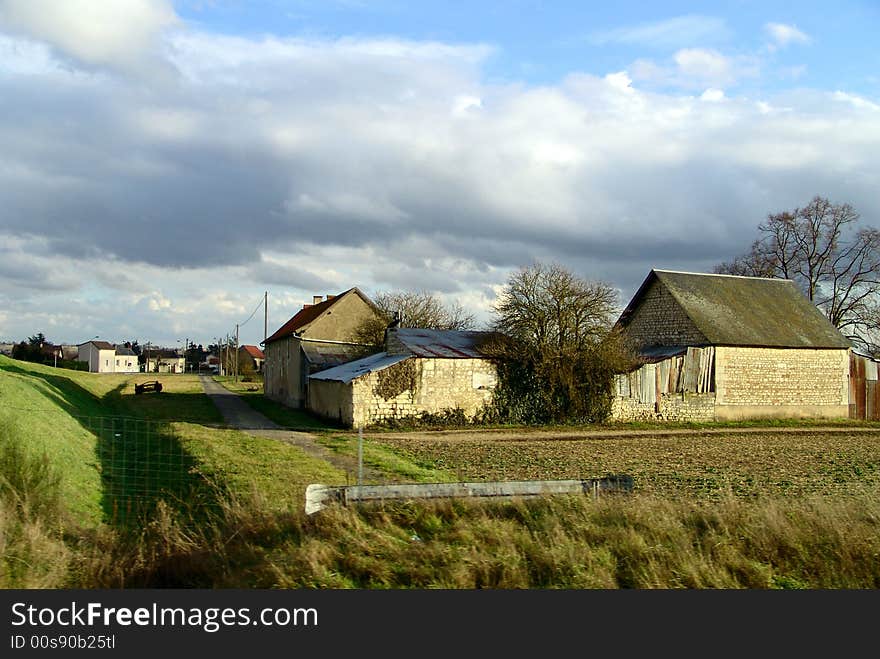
(241, 416)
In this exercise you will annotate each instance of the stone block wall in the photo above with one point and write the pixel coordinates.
(684, 407)
(660, 321)
(441, 384)
(793, 382)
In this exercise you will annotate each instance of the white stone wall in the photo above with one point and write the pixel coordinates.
(781, 376)
(441, 384)
(683, 407)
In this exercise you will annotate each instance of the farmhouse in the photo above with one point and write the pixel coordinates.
(163, 360)
(420, 371)
(317, 337)
(104, 357)
(722, 347)
(251, 356)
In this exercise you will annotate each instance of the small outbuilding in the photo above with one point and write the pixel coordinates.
(420, 371)
(722, 347)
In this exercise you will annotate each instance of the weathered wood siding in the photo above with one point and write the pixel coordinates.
(679, 388)
(864, 392)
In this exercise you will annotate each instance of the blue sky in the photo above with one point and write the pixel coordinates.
(541, 42)
(162, 164)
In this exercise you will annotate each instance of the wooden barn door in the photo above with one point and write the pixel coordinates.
(857, 387)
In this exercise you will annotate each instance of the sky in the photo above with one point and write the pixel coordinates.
(163, 164)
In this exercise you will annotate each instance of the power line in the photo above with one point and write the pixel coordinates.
(260, 304)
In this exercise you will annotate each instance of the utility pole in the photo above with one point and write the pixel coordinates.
(265, 318)
(236, 352)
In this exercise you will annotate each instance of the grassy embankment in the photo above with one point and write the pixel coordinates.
(805, 535)
(78, 448)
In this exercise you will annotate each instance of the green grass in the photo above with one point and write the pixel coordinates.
(820, 529)
(36, 414)
(250, 466)
(393, 464)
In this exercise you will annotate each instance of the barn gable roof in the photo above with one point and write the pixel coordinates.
(744, 311)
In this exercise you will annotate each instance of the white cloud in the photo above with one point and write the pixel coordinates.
(855, 100)
(464, 104)
(294, 166)
(113, 33)
(696, 68)
(703, 64)
(712, 95)
(784, 35)
(673, 32)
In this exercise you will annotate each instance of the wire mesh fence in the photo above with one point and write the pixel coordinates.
(141, 462)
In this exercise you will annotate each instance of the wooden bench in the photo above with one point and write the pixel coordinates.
(150, 385)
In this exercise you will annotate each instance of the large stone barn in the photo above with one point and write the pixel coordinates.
(317, 337)
(721, 347)
(420, 371)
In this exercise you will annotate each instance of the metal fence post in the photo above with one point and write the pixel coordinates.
(360, 455)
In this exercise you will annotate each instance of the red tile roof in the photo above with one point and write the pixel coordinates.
(254, 352)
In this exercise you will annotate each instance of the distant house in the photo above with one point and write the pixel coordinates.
(721, 347)
(104, 357)
(419, 371)
(163, 360)
(252, 356)
(318, 336)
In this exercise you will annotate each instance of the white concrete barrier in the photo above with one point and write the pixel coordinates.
(319, 496)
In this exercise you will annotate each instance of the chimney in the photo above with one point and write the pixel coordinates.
(306, 306)
(330, 297)
(316, 299)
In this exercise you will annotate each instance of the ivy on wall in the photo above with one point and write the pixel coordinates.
(397, 379)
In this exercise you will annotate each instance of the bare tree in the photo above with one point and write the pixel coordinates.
(549, 307)
(412, 309)
(836, 264)
(554, 346)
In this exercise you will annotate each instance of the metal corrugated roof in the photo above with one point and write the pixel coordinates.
(353, 370)
(654, 354)
(446, 344)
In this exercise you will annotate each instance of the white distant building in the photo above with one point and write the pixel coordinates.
(104, 357)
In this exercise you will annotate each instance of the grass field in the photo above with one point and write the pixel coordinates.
(720, 509)
(708, 465)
